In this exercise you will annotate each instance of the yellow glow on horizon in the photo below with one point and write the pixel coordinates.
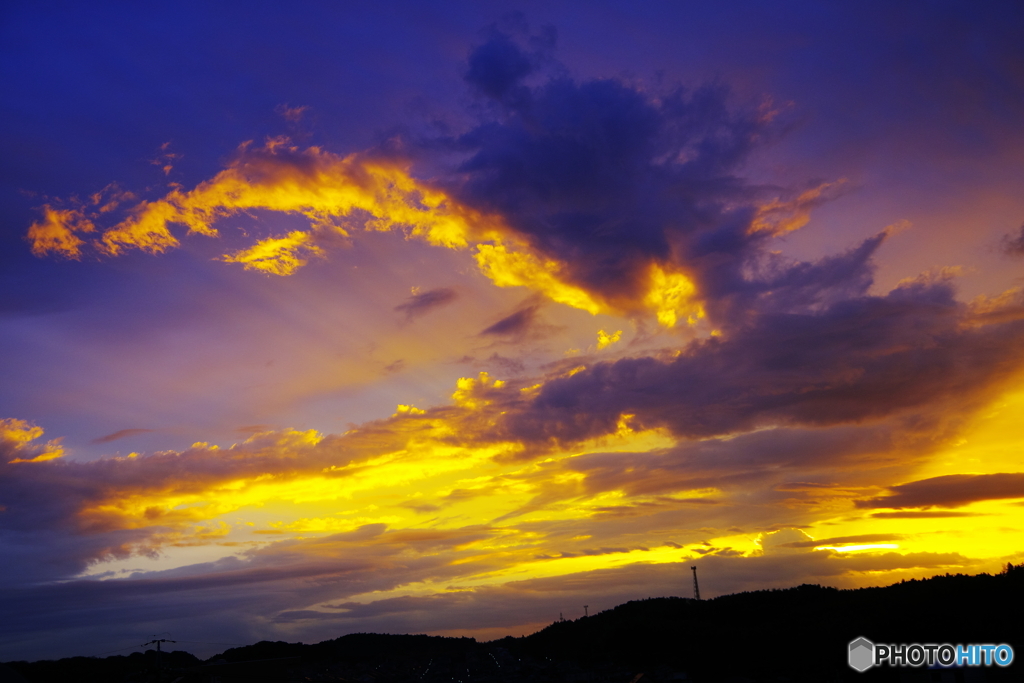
(502, 513)
(982, 530)
(991, 442)
(429, 484)
(528, 569)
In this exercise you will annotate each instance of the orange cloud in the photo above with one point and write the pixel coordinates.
(16, 437)
(336, 193)
(277, 255)
(58, 232)
(780, 216)
(409, 506)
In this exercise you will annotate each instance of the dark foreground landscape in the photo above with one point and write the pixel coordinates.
(797, 634)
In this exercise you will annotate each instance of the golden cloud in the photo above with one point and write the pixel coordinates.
(16, 437)
(334, 193)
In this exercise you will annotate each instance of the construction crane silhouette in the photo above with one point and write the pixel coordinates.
(696, 588)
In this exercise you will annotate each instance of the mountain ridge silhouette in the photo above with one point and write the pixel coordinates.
(791, 634)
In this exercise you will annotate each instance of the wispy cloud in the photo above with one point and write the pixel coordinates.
(421, 303)
(516, 324)
(120, 434)
(1014, 244)
(950, 491)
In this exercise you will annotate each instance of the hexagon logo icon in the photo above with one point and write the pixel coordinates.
(862, 654)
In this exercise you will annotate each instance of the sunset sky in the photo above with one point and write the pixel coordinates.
(450, 318)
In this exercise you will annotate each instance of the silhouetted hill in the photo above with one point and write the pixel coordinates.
(108, 670)
(356, 647)
(801, 633)
(796, 634)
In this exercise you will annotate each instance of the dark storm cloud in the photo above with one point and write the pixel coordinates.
(608, 179)
(950, 491)
(497, 67)
(858, 359)
(422, 303)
